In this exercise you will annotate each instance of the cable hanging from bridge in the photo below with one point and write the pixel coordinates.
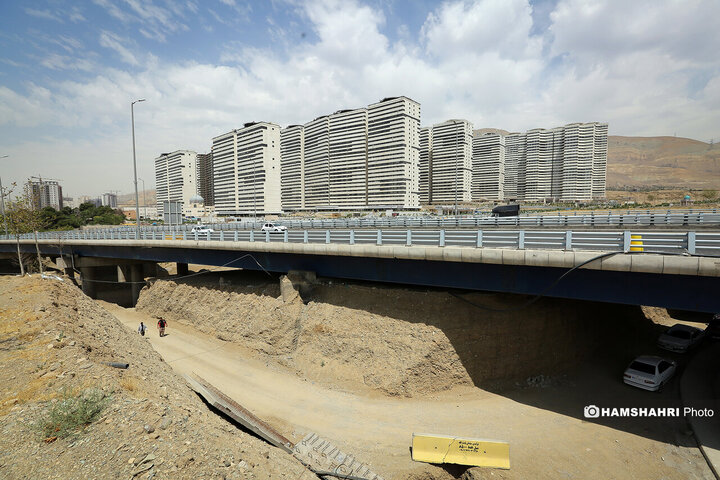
(538, 296)
(179, 278)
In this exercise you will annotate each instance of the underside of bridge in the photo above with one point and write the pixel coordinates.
(101, 265)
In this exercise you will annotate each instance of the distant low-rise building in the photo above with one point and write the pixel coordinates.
(109, 200)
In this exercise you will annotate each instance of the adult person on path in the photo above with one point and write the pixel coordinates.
(161, 326)
(142, 328)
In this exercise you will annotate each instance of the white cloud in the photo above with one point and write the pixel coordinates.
(46, 14)
(76, 15)
(498, 26)
(113, 10)
(115, 42)
(475, 60)
(63, 62)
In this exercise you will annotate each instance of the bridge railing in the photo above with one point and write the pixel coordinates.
(692, 242)
(630, 218)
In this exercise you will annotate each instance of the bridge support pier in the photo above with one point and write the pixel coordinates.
(136, 277)
(182, 269)
(89, 287)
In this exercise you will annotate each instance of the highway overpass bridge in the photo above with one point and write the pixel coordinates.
(678, 270)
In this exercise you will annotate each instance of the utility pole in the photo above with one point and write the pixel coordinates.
(137, 199)
(2, 202)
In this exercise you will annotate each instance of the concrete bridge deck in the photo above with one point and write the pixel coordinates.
(665, 280)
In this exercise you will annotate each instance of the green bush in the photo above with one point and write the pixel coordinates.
(72, 413)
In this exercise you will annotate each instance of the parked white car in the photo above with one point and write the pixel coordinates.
(649, 372)
(680, 338)
(202, 229)
(271, 227)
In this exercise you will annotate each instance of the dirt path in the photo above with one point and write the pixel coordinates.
(545, 444)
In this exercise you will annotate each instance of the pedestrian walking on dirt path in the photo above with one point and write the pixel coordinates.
(161, 326)
(142, 328)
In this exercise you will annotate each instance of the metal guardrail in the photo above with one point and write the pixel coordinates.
(630, 219)
(697, 243)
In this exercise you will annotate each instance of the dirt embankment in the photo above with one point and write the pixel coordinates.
(55, 342)
(398, 341)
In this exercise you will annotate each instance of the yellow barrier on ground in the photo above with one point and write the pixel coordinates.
(463, 451)
(636, 243)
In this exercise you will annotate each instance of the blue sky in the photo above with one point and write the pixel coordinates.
(69, 70)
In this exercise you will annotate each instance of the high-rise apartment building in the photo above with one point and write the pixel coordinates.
(393, 153)
(348, 164)
(488, 167)
(292, 178)
(205, 182)
(599, 168)
(246, 166)
(559, 164)
(543, 164)
(450, 176)
(316, 164)
(359, 158)
(176, 178)
(514, 166)
(425, 165)
(44, 193)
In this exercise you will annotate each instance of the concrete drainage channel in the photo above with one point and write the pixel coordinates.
(316, 453)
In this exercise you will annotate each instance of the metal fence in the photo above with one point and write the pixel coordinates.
(607, 219)
(698, 243)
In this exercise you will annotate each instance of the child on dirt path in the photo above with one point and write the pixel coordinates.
(161, 326)
(141, 329)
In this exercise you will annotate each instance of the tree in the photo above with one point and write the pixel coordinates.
(22, 219)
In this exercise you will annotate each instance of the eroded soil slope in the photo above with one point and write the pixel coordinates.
(398, 341)
(54, 341)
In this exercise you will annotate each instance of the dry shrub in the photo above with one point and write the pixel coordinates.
(129, 383)
(321, 328)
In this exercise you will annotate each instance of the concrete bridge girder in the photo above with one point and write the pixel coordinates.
(671, 281)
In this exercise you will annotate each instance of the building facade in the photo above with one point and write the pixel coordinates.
(488, 167)
(567, 164)
(44, 193)
(393, 153)
(176, 177)
(449, 177)
(600, 154)
(292, 177)
(316, 163)
(425, 164)
(246, 170)
(348, 164)
(109, 200)
(206, 185)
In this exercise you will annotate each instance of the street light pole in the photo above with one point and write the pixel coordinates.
(137, 199)
(2, 202)
(144, 202)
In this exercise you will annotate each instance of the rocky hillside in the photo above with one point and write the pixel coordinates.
(667, 161)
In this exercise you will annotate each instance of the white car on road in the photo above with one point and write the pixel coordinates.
(271, 227)
(202, 229)
(649, 372)
(680, 338)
